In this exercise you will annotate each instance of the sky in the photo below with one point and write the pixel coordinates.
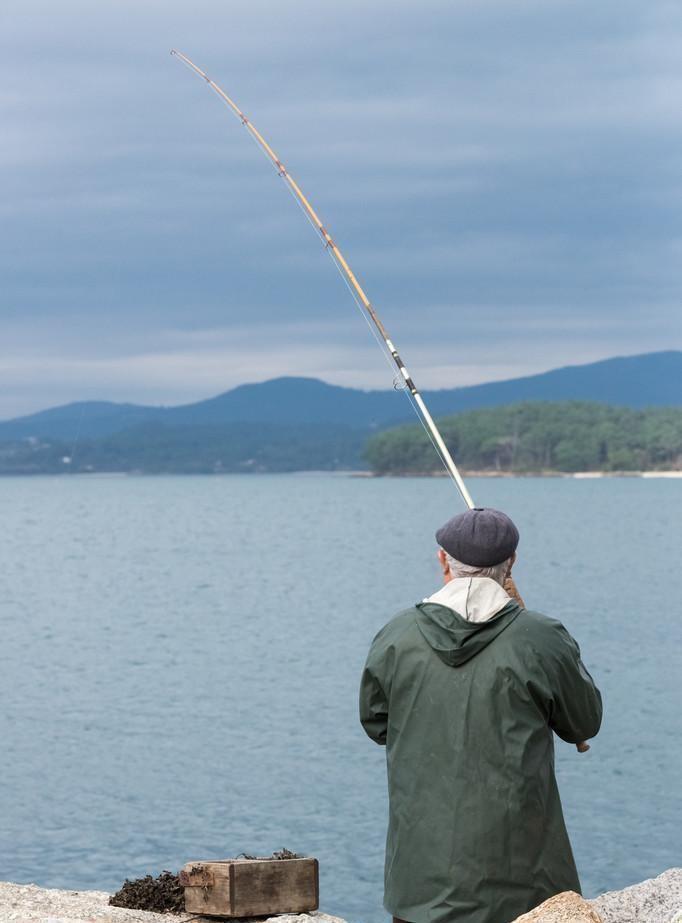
(505, 180)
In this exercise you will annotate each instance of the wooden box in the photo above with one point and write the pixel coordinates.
(250, 887)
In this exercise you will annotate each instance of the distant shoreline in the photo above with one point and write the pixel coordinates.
(578, 475)
(350, 473)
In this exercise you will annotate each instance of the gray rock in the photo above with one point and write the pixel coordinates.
(567, 907)
(656, 900)
(31, 904)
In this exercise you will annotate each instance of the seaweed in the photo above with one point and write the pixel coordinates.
(278, 854)
(162, 894)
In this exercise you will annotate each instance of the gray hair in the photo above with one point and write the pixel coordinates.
(497, 573)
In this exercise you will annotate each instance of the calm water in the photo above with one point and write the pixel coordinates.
(180, 657)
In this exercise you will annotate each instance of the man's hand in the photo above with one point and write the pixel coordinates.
(511, 590)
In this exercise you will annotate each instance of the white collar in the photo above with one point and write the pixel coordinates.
(476, 599)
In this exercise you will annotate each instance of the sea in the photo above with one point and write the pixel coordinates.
(180, 657)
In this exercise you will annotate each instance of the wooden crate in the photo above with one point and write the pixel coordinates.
(250, 887)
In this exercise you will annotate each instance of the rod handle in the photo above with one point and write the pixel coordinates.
(582, 747)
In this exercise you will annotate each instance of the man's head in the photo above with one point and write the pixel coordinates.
(478, 542)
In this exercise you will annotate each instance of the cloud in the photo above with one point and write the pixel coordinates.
(516, 163)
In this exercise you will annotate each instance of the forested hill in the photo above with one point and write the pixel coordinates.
(537, 437)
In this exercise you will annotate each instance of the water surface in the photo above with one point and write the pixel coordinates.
(180, 659)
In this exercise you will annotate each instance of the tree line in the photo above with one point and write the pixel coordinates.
(538, 436)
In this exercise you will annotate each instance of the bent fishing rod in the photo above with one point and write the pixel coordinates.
(366, 307)
(361, 299)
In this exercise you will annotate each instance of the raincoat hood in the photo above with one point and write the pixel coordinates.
(455, 639)
(463, 617)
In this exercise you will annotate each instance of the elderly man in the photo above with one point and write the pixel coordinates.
(465, 690)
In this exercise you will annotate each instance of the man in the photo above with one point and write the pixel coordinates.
(465, 690)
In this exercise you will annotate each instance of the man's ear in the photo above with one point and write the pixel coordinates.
(512, 561)
(444, 566)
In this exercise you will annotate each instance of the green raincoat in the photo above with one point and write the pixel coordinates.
(466, 711)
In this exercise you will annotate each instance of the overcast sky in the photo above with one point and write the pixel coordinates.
(504, 178)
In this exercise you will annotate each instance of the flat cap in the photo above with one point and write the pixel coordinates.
(479, 537)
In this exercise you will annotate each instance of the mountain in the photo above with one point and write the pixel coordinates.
(648, 380)
(651, 379)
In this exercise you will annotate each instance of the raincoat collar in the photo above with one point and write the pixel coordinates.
(476, 599)
(455, 639)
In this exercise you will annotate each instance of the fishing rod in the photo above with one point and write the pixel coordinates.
(361, 299)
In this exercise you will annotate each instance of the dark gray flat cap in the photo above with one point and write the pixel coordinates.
(480, 537)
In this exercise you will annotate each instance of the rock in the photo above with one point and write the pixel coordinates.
(567, 907)
(31, 904)
(656, 900)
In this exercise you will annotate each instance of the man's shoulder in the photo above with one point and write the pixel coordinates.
(397, 628)
(541, 629)
(532, 620)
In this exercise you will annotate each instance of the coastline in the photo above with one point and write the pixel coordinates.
(578, 475)
(343, 473)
